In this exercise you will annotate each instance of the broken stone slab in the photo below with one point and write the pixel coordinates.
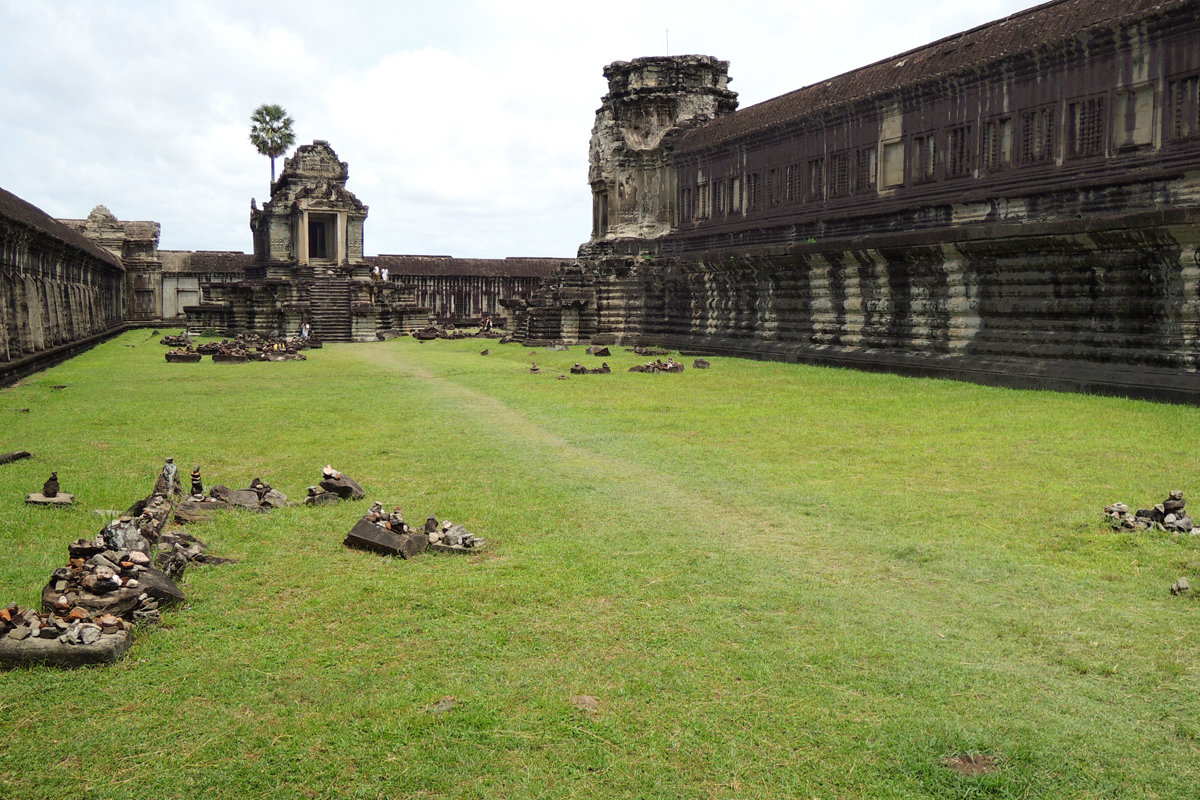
(125, 534)
(192, 511)
(701, 363)
(60, 499)
(596, 350)
(341, 485)
(321, 498)
(442, 547)
(103, 648)
(366, 535)
(183, 356)
(274, 498)
(236, 498)
(16, 455)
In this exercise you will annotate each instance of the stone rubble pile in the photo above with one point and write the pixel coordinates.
(388, 533)
(648, 351)
(1169, 515)
(185, 355)
(430, 332)
(658, 365)
(252, 347)
(258, 496)
(182, 341)
(124, 575)
(334, 487)
(580, 369)
(597, 350)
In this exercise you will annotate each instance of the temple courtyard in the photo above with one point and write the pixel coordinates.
(756, 580)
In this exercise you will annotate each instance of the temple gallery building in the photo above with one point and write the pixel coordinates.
(1016, 204)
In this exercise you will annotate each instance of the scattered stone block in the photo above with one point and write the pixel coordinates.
(367, 535)
(1181, 586)
(596, 350)
(65, 650)
(701, 363)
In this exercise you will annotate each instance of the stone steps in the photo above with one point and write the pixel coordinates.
(330, 310)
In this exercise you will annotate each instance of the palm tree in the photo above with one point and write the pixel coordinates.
(271, 132)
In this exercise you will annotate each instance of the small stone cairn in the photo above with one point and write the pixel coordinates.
(51, 494)
(1169, 516)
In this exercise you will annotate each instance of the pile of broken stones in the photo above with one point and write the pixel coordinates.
(124, 575)
(388, 533)
(334, 487)
(658, 365)
(1169, 516)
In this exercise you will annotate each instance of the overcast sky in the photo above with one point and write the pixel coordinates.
(465, 123)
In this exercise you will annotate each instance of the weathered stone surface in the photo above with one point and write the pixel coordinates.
(102, 649)
(60, 499)
(341, 485)
(806, 228)
(236, 498)
(367, 535)
(161, 588)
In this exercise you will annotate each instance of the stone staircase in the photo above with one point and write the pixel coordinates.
(330, 309)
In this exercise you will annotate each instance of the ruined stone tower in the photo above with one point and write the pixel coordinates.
(649, 101)
(312, 220)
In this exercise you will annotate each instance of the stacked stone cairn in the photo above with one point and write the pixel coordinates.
(1169, 516)
(51, 494)
(658, 365)
(388, 533)
(333, 488)
(124, 575)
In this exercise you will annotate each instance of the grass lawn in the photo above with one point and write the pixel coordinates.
(776, 581)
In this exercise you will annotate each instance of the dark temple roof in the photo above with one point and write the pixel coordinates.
(29, 215)
(1024, 32)
(446, 265)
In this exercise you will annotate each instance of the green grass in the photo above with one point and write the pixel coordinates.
(778, 581)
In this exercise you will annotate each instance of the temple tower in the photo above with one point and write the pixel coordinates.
(312, 220)
(649, 101)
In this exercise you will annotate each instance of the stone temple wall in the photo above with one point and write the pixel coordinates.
(57, 288)
(1018, 204)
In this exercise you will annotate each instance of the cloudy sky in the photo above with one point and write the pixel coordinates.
(465, 123)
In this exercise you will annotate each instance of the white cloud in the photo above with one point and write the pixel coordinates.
(465, 126)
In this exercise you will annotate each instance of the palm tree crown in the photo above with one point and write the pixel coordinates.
(271, 132)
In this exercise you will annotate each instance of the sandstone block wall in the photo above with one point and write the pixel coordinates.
(56, 287)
